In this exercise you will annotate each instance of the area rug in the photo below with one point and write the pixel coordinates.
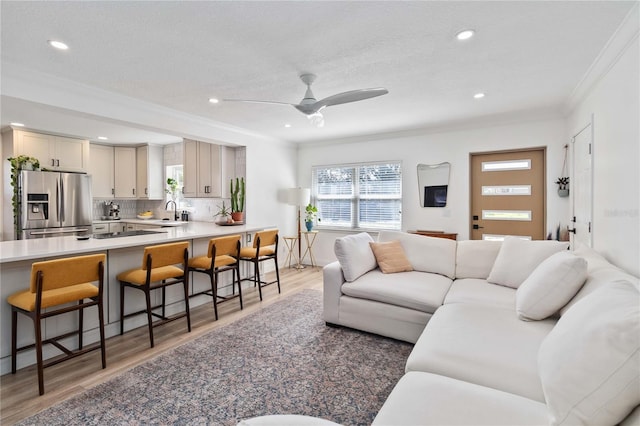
(280, 360)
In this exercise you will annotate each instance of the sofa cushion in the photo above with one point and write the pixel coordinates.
(475, 258)
(430, 399)
(484, 345)
(355, 255)
(550, 286)
(599, 273)
(390, 257)
(517, 258)
(426, 254)
(590, 363)
(415, 290)
(474, 290)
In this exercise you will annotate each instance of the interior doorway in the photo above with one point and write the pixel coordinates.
(581, 187)
(508, 194)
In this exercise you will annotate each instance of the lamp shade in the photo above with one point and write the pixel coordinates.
(299, 196)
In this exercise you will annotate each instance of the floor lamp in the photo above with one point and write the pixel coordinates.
(299, 197)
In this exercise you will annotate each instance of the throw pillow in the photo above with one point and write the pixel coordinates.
(517, 258)
(589, 363)
(550, 286)
(355, 255)
(390, 257)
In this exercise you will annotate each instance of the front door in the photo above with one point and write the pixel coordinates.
(508, 194)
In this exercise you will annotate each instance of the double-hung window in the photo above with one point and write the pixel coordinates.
(359, 196)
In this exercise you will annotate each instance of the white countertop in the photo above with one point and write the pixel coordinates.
(158, 222)
(13, 251)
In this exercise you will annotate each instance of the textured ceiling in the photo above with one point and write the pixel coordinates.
(527, 57)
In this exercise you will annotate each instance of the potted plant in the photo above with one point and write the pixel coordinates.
(563, 186)
(172, 188)
(237, 199)
(21, 162)
(225, 214)
(310, 214)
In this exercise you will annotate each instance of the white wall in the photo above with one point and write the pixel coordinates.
(453, 146)
(614, 103)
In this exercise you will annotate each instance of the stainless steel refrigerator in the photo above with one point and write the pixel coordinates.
(54, 204)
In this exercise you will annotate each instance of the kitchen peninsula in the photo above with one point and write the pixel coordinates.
(122, 253)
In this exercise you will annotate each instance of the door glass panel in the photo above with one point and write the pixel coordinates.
(499, 166)
(506, 215)
(506, 190)
(494, 237)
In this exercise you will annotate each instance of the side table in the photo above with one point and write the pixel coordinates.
(310, 238)
(290, 242)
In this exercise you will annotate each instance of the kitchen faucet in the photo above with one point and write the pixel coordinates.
(175, 209)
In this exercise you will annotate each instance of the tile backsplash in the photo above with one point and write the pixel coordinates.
(199, 209)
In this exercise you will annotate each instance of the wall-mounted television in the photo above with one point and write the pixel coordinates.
(435, 196)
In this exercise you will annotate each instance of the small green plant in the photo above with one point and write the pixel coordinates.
(19, 163)
(237, 195)
(223, 211)
(310, 213)
(172, 188)
(563, 182)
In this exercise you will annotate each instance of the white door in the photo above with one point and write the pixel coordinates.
(581, 187)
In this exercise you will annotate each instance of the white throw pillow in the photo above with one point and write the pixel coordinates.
(550, 286)
(589, 364)
(517, 258)
(355, 255)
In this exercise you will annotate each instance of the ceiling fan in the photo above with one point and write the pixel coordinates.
(311, 107)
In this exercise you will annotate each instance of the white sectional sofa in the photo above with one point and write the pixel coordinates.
(520, 332)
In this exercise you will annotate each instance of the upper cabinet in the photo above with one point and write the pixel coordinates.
(149, 172)
(53, 152)
(101, 170)
(125, 179)
(202, 170)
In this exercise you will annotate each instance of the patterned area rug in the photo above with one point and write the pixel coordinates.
(281, 360)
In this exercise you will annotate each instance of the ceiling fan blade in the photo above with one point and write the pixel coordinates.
(258, 102)
(351, 96)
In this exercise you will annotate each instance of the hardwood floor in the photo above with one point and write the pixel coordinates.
(19, 392)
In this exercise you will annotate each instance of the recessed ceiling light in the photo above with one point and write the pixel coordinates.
(17, 124)
(103, 138)
(478, 95)
(214, 100)
(287, 125)
(58, 44)
(465, 34)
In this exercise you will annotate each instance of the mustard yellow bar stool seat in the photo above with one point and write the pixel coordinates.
(55, 283)
(222, 255)
(158, 271)
(265, 247)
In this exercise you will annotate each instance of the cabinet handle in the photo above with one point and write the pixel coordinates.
(145, 191)
(58, 163)
(113, 191)
(133, 191)
(53, 162)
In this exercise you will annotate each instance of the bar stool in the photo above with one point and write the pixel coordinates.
(222, 255)
(265, 247)
(55, 283)
(158, 272)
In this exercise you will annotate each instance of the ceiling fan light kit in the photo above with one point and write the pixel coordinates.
(311, 107)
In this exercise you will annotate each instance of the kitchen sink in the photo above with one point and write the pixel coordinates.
(125, 234)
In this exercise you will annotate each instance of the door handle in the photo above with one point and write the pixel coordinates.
(477, 227)
(573, 231)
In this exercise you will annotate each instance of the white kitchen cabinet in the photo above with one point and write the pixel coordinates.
(101, 169)
(202, 170)
(125, 178)
(53, 152)
(117, 227)
(149, 172)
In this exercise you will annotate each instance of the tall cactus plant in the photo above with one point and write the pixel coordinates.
(237, 195)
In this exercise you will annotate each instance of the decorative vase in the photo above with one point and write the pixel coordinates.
(237, 216)
(563, 192)
(309, 225)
